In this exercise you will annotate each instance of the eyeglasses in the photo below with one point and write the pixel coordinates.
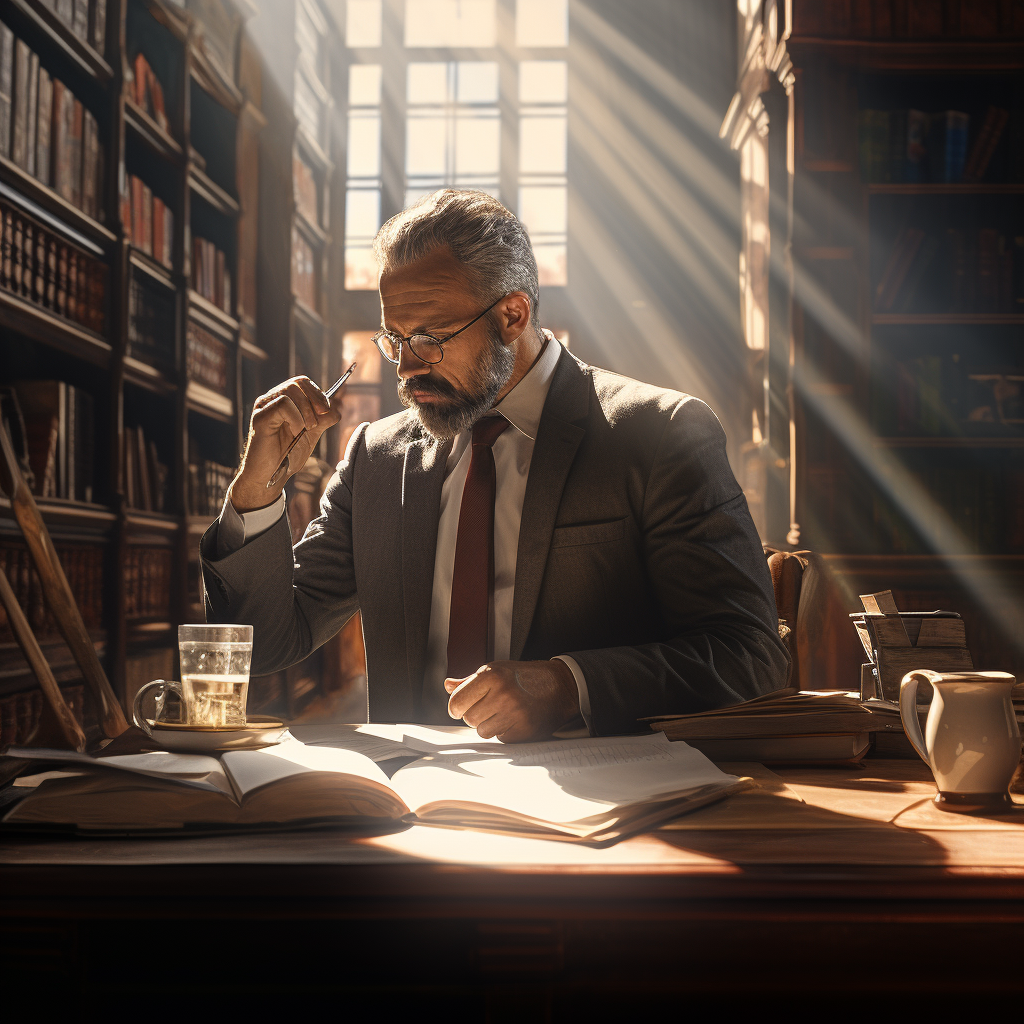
(425, 347)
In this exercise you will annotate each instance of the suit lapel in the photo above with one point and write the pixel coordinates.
(423, 477)
(553, 453)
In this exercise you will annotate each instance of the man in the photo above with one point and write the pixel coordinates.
(531, 541)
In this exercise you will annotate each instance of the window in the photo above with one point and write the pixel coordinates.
(455, 112)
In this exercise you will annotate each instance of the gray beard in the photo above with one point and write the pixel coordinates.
(459, 410)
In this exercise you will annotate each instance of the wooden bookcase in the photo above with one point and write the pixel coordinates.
(870, 442)
(134, 569)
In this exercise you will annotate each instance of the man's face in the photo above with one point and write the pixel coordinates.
(434, 296)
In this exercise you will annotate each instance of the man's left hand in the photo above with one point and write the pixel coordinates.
(515, 700)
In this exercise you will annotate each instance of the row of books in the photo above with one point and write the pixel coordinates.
(146, 91)
(83, 567)
(145, 476)
(19, 713)
(147, 572)
(149, 221)
(207, 484)
(951, 270)
(45, 130)
(52, 426)
(211, 276)
(151, 317)
(40, 267)
(984, 505)
(944, 396)
(908, 146)
(207, 359)
(86, 18)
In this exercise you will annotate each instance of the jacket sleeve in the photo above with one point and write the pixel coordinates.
(710, 577)
(295, 599)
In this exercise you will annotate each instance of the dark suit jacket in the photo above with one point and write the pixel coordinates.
(637, 557)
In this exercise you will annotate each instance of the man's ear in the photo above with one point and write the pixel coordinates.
(515, 316)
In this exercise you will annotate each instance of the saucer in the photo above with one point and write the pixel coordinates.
(259, 731)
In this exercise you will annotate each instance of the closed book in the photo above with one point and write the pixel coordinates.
(167, 256)
(218, 280)
(33, 114)
(98, 26)
(6, 87)
(137, 215)
(80, 20)
(141, 81)
(61, 140)
(70, 440)
(141, 456)
(44, 116)
(128, 468)
(85, 450)
(158, 228)
(156, 97)
(147, 220)
(206, 359)
(19, 128)
(90, 152)
(75, 151)
(125, 204)
(890, 286)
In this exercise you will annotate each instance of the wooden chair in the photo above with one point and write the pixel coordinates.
(798, 579)
(57, 726)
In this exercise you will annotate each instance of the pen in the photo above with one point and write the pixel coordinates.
(295, 440)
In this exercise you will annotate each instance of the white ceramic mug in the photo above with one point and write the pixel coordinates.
(970, 740)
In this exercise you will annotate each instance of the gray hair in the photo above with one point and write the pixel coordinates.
(488, 240)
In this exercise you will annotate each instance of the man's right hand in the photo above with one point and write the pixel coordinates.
(277, 417)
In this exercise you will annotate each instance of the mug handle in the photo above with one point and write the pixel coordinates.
(137, 715)
(908, 708)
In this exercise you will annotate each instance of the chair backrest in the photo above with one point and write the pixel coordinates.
(800, 600)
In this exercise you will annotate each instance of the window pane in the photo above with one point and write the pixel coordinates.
(551, 265)
(542, 145)
(477, 82)
(476, 145)
(362, 213)
(543, 81)
(542, 209)
(542, 22)
(362, 23)
(363, 144)
(358, 347)
(308, 108)
(449, 22)
(427, 83)
(364, 85)
(360, 268)
(426, 144)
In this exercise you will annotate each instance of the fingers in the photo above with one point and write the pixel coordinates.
(466, 695)
(314, 410)
(279, 412)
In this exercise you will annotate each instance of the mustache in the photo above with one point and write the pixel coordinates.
(430, 385)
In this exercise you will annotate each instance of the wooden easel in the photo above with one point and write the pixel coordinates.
(57, 726)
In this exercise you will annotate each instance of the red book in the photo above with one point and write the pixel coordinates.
(75, 148)
(158, 229)
(147, 220)
(136, 232)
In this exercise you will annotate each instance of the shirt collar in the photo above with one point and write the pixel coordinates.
(524, 404)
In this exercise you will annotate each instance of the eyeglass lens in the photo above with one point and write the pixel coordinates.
(423, 347)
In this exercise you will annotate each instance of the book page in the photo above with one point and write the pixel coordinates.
(559, 781)
(250, 770)
(377, 742)
(196, 770)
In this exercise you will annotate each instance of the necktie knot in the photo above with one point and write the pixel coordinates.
(487, 430)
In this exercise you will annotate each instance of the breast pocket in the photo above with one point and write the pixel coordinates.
(588, 533)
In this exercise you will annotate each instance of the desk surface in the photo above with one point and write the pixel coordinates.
(829, 869)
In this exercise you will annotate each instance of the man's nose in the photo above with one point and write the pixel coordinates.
(410, 364)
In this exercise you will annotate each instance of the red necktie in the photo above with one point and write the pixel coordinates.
(470, 639)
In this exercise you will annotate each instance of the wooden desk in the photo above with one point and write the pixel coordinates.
(760, 897)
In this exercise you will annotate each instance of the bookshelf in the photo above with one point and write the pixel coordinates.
(884, 303)
(157, 332)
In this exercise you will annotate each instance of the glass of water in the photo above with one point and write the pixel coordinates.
(215, 673)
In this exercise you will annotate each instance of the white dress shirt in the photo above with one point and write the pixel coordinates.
(513, 452)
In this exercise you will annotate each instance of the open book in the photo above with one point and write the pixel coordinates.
(590, 789)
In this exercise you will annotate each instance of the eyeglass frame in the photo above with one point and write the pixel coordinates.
(439, 342)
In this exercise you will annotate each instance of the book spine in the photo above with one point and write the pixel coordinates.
(98, 26)
(43, 119)
(33, 114)
(6, 87)
(90, 151)
(80, 20)
(19, 129)
(147, 220)
(76, 154)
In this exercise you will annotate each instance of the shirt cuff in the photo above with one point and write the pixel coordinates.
(237, 529)
(581, 685)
